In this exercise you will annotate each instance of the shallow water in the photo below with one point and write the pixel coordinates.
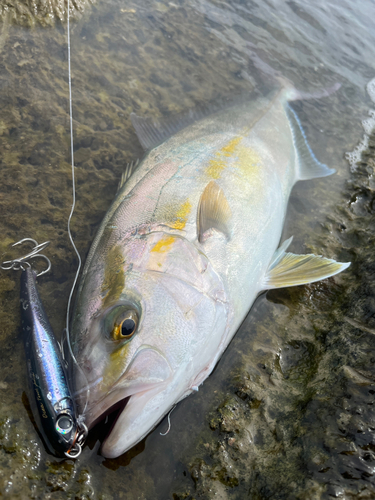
(287, 413)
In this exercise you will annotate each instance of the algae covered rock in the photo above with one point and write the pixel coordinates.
(43, 12)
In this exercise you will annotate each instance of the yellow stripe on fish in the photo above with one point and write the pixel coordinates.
(163, 245)
(114, 276)
(119, 360)
(248, 163)
(175, 215)
(218, 163)
(182, 215)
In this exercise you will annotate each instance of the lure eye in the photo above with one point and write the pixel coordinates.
(125, 325)
(64, 424)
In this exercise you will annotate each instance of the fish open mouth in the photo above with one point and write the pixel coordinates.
(112, 411)
(114, 402)
(131, 402)
(149, 370)
(127, 422)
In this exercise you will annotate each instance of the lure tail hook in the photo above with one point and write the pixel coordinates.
(81, 435)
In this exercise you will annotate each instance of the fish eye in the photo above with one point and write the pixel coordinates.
(125, 325)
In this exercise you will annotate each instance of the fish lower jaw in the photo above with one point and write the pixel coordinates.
(132, 422)
(141, 414)
(116, 400)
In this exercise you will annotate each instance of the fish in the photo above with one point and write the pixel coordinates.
(189, 242)
(54, 406)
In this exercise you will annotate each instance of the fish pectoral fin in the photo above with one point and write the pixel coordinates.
(289, 269)
(213, 211)
(309, 167)
(127, 173)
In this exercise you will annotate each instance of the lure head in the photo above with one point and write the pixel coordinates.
(59, 426)
(149, 317)
(64, 427)
(72, 433)
(66, 432)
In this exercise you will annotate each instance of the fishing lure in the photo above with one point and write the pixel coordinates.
(63, 432)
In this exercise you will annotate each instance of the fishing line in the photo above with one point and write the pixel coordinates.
(169, 423)
(72, 210)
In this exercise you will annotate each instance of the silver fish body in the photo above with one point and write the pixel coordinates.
(189, 242)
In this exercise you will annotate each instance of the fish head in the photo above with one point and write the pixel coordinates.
(143, 329)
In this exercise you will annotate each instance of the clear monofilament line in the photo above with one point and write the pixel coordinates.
(73, 203)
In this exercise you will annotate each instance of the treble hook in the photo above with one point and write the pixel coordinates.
(76, 449)
(21, 262)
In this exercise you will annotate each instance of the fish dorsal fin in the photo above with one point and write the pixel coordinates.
(289, 269)
(152, 132)
(129, 169)
(213, 211)
(309, 166)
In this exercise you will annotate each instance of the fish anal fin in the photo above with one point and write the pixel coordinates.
(290, 270)
(213, 211)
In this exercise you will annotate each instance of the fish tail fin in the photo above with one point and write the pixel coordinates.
(296, 95)
(309, 167)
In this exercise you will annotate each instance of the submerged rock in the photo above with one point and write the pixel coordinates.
(43, 12)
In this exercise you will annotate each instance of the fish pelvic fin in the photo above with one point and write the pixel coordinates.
(288, 269)
(309, 167)
(213, 211)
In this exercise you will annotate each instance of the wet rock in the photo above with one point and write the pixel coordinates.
(43, 12)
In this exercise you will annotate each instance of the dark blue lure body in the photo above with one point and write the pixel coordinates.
(48, 379)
